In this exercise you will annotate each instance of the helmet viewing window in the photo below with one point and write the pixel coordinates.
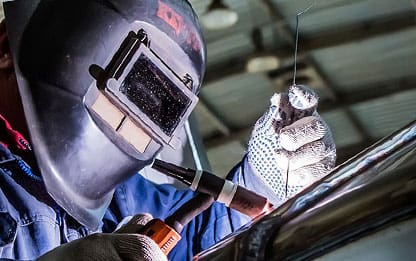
(146, 88)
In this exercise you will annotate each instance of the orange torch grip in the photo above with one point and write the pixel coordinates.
(164, 236)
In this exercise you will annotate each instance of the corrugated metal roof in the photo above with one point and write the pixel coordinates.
(234, 45)
(337, 13)
(249, 14)
(371, 61)
(343, 130)
(381, 117)
(239, 99)
(223, 158)
(205, 121)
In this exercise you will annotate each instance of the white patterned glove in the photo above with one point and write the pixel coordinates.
(123, 244)
(291, 146)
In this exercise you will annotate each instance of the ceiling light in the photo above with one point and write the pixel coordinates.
(218, 16)
(262, 63)
(261, 60)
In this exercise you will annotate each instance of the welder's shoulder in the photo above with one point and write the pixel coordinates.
(28, 227)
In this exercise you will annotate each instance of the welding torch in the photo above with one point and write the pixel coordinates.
(223, 190)
(211, 187)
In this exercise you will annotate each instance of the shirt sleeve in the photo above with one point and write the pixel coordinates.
(220, 221)
(245, 176)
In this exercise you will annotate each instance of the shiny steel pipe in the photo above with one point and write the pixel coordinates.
(359, 188)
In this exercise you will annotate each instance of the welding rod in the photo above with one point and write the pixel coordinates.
(224, 191)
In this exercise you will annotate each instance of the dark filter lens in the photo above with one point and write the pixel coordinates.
(155, 94)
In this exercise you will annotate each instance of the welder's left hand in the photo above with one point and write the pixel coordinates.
(123, 244)
(291, 143)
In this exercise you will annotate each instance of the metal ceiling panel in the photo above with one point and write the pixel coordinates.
(371, 61)
(326, 15)
(206, 123)
(385, 115)
(232, 46)
(250, 14)
(239, 99)
(343, 130)
(223, 158)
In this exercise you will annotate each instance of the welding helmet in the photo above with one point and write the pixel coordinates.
(105, 84)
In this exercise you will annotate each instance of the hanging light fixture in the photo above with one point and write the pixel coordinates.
(261, 60)
(218, 16)
(262, 63)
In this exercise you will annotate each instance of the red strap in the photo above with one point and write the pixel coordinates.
(13, 137)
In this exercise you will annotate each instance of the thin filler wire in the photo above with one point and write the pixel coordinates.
(297, 38)
(294, 73)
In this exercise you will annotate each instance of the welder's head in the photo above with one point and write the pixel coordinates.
(105, 84)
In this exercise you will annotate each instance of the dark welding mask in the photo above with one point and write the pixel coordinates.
(105, 85)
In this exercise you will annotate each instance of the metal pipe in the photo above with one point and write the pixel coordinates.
(356, 180)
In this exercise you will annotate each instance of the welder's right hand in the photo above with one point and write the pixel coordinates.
(123, 244)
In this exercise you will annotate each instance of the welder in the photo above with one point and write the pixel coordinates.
(92, 91)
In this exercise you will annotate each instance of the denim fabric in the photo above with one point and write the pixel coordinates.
(138, 195)
(32, 224)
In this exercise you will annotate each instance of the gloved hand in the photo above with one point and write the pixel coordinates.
(291, 143)
(123, 244)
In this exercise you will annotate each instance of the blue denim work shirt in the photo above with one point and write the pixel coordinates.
(31, 223)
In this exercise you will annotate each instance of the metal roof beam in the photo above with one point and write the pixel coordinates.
(330, 38)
